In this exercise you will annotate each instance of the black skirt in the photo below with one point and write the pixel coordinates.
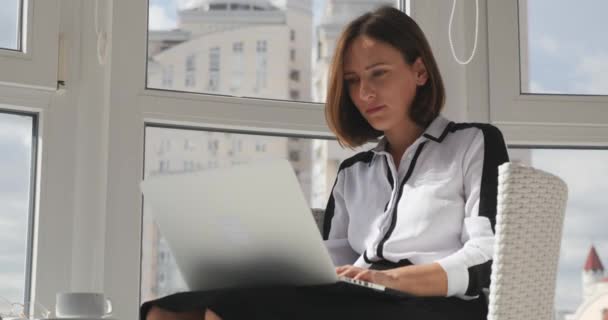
(334, 301)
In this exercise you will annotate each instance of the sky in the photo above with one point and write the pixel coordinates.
(8, 24)
(15, 146)
(568, 53)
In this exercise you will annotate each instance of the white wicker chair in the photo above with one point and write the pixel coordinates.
(530, 214)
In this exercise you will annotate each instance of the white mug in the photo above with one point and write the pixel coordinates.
(82, 305)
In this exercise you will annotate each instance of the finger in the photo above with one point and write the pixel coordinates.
(342, 268)
(365, 275)
(350, 272)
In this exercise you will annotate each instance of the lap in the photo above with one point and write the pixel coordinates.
(318, 302)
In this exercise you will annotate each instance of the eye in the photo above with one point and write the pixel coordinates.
(351, 80)
(378, 73)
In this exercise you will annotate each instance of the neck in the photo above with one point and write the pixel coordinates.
(399, 139)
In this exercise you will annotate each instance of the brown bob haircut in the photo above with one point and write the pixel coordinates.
(396, 28)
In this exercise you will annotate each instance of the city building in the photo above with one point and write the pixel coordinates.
(336, 14)
(595, 291)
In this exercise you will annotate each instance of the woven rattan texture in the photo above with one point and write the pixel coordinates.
(531, 206)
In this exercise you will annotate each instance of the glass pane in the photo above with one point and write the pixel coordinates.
(252, 48)
(10, 24)
(170, 151)
(15, 205)
(564, 48)
(584, 226)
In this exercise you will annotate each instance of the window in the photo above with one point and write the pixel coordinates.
(161, 276)
(289, 31)
(294, 155)
(29, 32)
(583, 172)
(294, 75)
(261, 65)
(190, 80)
(319, 50)
(546, 78)
(294, 94)
(214, 69)
(218, 6)
(564, 58)
(238, 66)
(17, 172)
(134, 107)
(168, 77)
(10, 24)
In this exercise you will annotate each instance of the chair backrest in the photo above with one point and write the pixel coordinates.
(530, 214)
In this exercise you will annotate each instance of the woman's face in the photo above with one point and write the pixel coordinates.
(380, 83)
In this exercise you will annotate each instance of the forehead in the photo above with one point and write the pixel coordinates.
(364, 51)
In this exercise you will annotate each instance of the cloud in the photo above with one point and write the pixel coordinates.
(536, 87)
(13, 285)
(593, 70)
(585, 220)
(548, 44)
(16, 127)
(159, 19)
(187, 4)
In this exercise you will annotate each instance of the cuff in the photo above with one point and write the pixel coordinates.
(458, 275)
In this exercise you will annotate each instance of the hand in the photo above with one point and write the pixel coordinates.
(375, 276)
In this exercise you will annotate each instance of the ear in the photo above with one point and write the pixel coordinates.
(420, 71)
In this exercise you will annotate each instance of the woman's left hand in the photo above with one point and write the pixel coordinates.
(375, 276)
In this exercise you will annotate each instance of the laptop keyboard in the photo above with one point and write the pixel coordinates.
(362, 283)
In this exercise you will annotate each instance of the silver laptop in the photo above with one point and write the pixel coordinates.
(246, 225)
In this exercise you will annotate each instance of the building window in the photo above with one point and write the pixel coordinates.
(294, 75)
(292, 55)
(163, 166)
(167, 80)
(213, 146)
(292, 35)
(238, 67)
(240, 6)
(190, 80)
(261, 64)
(294, 94)
(319, 50)
(294, 155)
(214, 69)
(218, 6)
(260, 147)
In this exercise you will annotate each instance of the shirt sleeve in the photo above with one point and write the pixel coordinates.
(335, 223)
(468, 270)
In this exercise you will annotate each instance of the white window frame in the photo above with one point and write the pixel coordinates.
(132, 107)
(28, 84)
(35, 66)
(535, 119)
(51, 251)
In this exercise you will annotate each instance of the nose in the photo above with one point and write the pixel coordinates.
(366, 91)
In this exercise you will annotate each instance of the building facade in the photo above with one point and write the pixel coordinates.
(595, 291)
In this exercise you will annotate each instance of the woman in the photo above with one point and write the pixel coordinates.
(420, 207)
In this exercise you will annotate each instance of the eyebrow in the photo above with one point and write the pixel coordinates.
(366, 68)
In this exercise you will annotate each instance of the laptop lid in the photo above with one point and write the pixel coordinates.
(239, 226)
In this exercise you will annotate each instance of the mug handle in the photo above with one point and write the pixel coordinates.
(108, 306)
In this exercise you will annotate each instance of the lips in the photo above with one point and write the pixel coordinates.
(373, 110)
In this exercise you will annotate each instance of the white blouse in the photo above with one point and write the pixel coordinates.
(440, 206)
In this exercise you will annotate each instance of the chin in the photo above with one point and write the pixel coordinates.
(380, 125)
